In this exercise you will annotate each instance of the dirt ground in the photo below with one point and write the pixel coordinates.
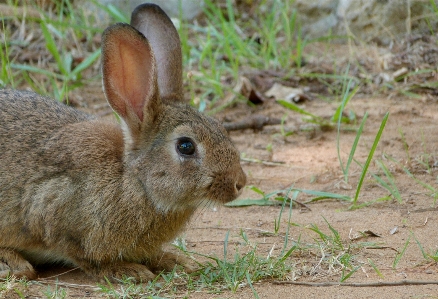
(307, 159)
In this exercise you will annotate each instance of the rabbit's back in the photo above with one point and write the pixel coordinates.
(27, 118)
(27, 122)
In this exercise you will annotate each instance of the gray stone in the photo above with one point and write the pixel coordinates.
(365, 20)
(187, 9)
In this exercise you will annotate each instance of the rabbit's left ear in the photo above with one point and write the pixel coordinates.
(129, 76)
(159, 30)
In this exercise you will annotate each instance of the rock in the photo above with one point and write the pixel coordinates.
(367, 20)
(189, 8)
(317, 17)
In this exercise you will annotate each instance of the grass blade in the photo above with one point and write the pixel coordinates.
(400, 254)
(344, 278)
(295, 108)
(87, 62)
(370, 157)
(226, 246)
(336, 236)
(29, 68)
(353, 148)
(392, 188)
(424, 184)
(51, 46)
(254, 292)
(112, 11)
(370, 261)
(423, 252)
(251, 202)
(322, 195)
(286, 237)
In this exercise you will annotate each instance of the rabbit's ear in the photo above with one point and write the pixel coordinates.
(159, 30)
(129, 76)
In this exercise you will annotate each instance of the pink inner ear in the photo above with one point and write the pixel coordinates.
(135, 80)
(128, 72)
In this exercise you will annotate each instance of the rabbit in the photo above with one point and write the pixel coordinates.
(102, 196)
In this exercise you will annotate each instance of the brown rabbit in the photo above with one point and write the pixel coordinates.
(78, 190)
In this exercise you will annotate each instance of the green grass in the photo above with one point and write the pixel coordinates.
(400, 254)
(375, 268)
(431, 256)
(280, 197)
(13, 286)
(432, 191)
(233, 271)
(55, 292)
(337, 254)
(387, 181)
(338, 118)
(62, 70)
(368, 161)
(225, 47)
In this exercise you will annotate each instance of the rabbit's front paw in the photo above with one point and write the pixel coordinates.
(13, 264)
(118, 271)
(168, 260)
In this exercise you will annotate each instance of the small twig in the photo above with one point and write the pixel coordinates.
(57, 275)
(381, 247)
(301, 205)
(268, 163)
(70, 285)
(424, 210)
(234, 228)
(212, 242)
(255, 122)
(358, 284)
(48, 281)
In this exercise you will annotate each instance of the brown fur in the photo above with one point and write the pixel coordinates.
(82, 191)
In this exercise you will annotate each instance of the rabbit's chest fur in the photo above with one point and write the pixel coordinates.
(55, 206)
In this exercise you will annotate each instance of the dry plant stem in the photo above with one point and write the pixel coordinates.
(19, 12)
(358, 284)
(302, 205)
(424, 210)
(85, 287)
(57, 275)
(255, 122)
(261, 231)
(268, 163)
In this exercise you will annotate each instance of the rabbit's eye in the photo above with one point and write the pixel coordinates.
(185, 146)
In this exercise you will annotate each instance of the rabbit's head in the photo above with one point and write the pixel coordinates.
(180, 157)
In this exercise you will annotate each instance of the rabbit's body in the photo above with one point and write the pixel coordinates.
(61, 211)
(79, 190)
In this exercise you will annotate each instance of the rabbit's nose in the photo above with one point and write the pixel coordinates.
(240, 182)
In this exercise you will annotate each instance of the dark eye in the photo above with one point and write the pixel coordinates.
(185, 146)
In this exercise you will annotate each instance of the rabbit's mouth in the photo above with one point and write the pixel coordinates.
(225, 188)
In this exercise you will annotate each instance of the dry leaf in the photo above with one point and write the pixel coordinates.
(247, 89)
(281, 92)
(400, 72)
(371, 233)
(364, 234)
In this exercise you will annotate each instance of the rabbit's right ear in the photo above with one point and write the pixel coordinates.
(159, 30)
(129, 76)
